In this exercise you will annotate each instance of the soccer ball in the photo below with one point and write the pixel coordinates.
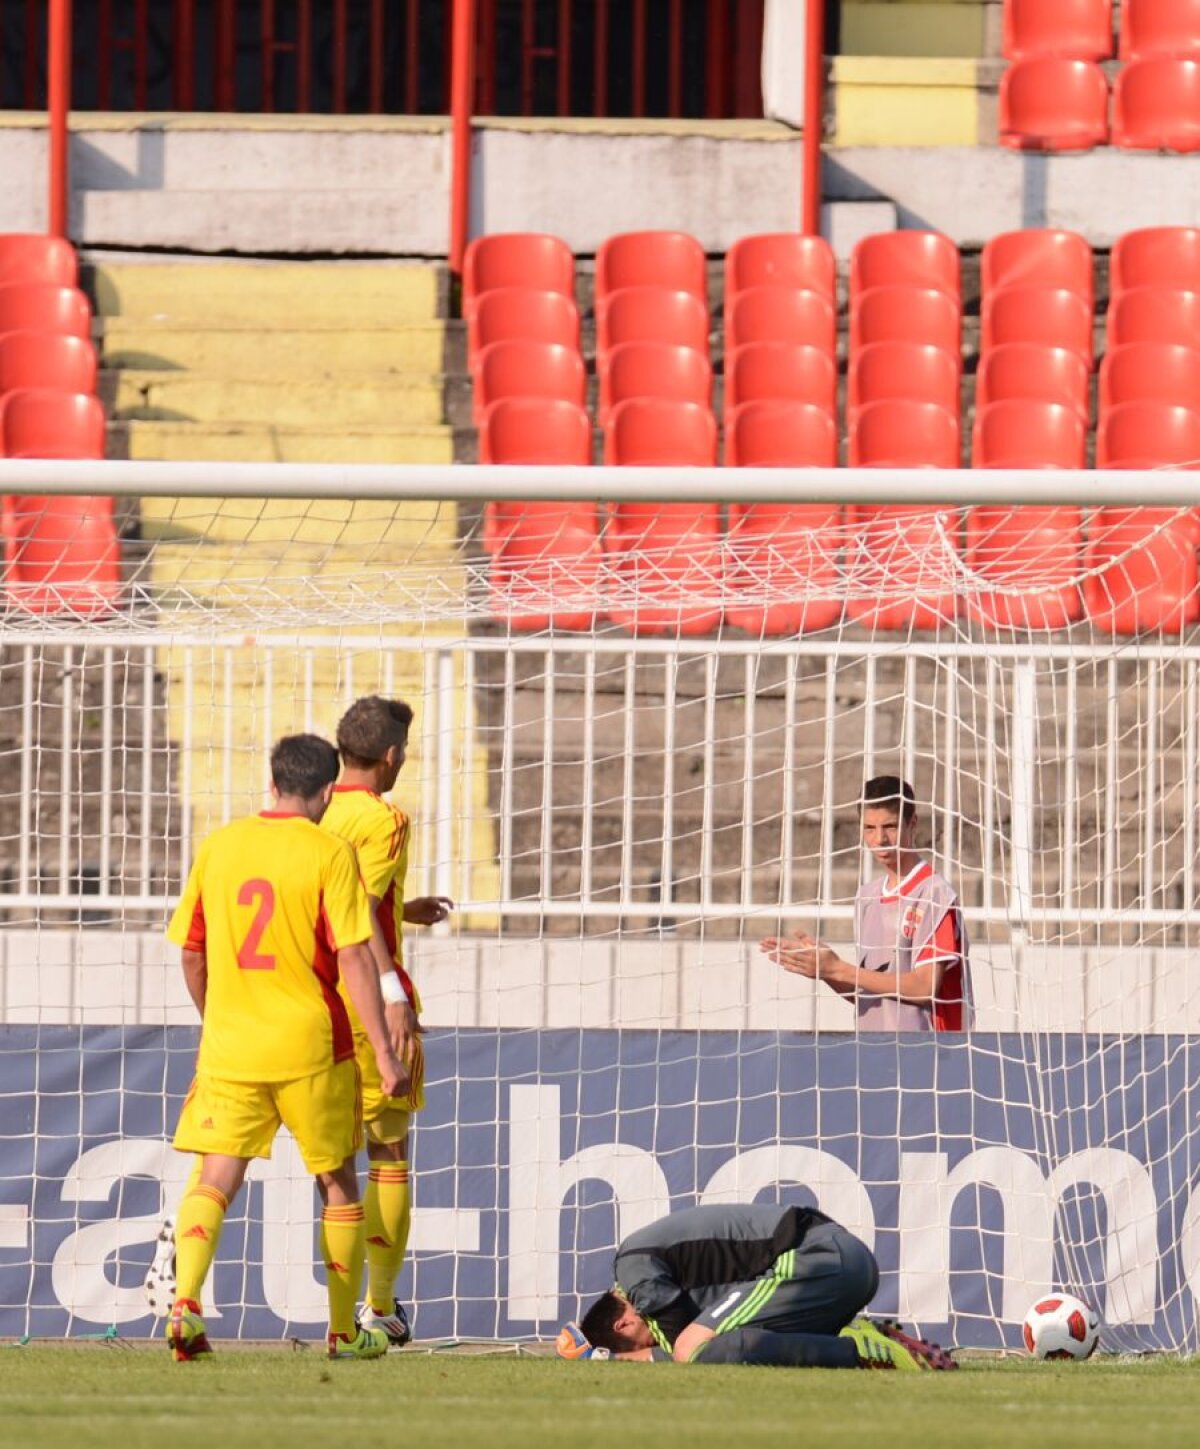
(1061, 1326)
(159, 1286)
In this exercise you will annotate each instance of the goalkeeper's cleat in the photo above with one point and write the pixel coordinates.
(186, 1333)
(159, 1283)
(366, 1343)
(930, 1355)
(572, 1344)
(877, 1350)
(395, 1324)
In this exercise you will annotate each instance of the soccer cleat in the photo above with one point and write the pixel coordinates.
(877, 1350)
(159, 1283)
(395, 1324)
(186, 1334)
(366, 1343)
(930, 1355)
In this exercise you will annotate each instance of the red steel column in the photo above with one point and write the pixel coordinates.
(461, 90)
(814, 107)
(58, 68)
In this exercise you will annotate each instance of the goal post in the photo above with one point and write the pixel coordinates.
(623, 809)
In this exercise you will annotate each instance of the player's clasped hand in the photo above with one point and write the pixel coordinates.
(802, 955)
(427, 910)
(394, 1080)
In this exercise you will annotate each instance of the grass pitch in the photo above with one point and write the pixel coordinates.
(262, 1398)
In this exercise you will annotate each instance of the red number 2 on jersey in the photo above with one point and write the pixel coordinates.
(260, 893)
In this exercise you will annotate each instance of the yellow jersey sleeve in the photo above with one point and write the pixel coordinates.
(344, 901)
(187, 927)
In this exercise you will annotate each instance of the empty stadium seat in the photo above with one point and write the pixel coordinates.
(779, 370)
(1034, 557)
(1033, 370)
(781, 259)
(1051, 316)
(43, 307)
(780, 433)
(1156, 256)
(905, 259)
(1159, 27)
(1150, 372)
(1053, 104)
(667, 557)
(904, 370)
(47, 423)
(651, 314)
(1028, 433)
(906, 314)
(528, 369)
(652, 259)
(1156, 105)
(517, 259)
(508, 314)
(780, 314)
(1143, 574)
(1078, 29)
(1154, 314)
(656, 370)
(535, 430)
(901, 433)
(46, 360)
(31, 257)
(1149, 435)
(1038, 257)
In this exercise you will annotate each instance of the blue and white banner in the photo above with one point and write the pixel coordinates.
(983, 1171)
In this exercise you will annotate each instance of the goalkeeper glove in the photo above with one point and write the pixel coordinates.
(572, 1344)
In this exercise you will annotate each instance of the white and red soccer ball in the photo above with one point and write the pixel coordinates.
(1061, 1326)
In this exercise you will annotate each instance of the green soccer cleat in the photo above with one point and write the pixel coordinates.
(186, 1334)
(929, 1355)
(366, 1343)
(878, 1351)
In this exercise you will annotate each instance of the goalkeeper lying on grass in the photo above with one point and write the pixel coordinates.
(750, 1284)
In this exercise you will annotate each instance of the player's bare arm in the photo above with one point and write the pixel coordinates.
(195, 977)
(401, 1019)
(427, 910)
(357, 967)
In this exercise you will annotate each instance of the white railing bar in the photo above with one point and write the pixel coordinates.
(227, 735)
(589, 775)
(828, 778)
(1191, 704)
(147, 780)
(1111, 788)
(788, 842)
(268, 721)
(25, 804)
(666, 888)
(949, 769)
(1148, 778)
(708, 788)
(443, 880)
(506, 777)
(66, 762)
(185, 766)
(466, 798)
(629, 704)
(988, 844)
(749, 700)
(429, 726)
(309, 691)
(106, 767)
(1071, 804)
(546, 864)
(908, 720)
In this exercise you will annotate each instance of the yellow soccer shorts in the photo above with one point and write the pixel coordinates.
(241, 1119)
(386, 1118)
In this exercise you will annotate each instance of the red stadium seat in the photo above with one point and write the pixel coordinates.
(46, 360)
(528, 369)
(41, 307)
(911, 370)
(781, 259)
(509, 314)
(517, 259)
(1033, 370)
(906, 314)
(1156, 105)
(1077, 29)
(905, 259)
(1051, 316)
(1150, 372)
(1159, 27)
(653, 369)
(1038, 257)
(1156, 256)
(651, 314)
(1053, 104)
(778, 370)
(30, 257)
(63, 554)
(780, 314)
(783, 557)
(546, 557)
(1024, 433)
(1149, 435)
(666, 573)
(652, 259)
(1034, 556)
(1143, 574)
(1154, 314)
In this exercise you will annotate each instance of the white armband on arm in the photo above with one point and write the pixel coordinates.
(392, 988)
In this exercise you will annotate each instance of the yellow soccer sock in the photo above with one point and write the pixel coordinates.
(389, 1213)
(197, 1230)
(343, 1247)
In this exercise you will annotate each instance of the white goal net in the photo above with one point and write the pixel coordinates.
(642, 735)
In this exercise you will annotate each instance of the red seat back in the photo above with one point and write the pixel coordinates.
(652, 259)
(781, 259)
(1154, 314)
(905, 259)
(517, 259)
(1156, 105)
(1078, 29)
(528, 369)
(46, 360)
(1024, 433)
(654, 432)
(903, 434)
(906, 314)
(1149, 435)
(779, 370)
(1159, 27)
(651, 314)
(1051, 316)
(1156, 256)
(535, 430)
(780, 314)
(1052, 104)
(654, 370)
(43, 307)
(30, 257)
(780, 433)
(509, 314)
(1038, 257)
(914, 370)
(40, 423)
(1150, 372)
(1033, 370)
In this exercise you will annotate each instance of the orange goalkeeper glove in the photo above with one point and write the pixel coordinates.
(572, 1344)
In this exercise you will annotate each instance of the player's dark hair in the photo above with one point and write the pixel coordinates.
(303, 765)
(597, 1323)
(370, 727)
(891, 790)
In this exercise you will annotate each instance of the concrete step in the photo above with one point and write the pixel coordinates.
(302, 294)
(283, 350)
(268, 443)
(401, 400)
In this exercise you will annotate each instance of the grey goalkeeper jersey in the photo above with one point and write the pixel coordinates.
(674, 1269)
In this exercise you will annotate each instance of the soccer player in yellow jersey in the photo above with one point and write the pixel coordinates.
(372, 738)
(273, 914)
